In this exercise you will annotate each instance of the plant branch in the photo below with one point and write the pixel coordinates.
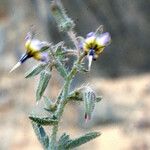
(62, 99)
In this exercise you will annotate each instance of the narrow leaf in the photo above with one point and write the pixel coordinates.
(98, 98)
(81, 68)
(82, 140)
(43, 120)
(35, 70)
(45, 46)
(41, 134)
(59, 49)
(77, 95)
(61, 69)
(44, 79)
(49, 105)
(64, 139)
(47, 102)
(59, 96)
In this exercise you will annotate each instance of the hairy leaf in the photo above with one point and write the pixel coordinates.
(64, 139)
(47, 102)
(61, 69)
(41, 134)
(81, 68)
(59, 49)
(44, 79)
(82, 140)
(49, 105)
(35, 70)
(43, 120)
(98, 98)
(77, 95)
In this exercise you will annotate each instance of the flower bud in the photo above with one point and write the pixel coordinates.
(89, 98)
(63, 21)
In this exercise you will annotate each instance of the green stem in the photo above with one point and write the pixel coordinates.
(58, 114)
(72, 36)
(63, 101)
(52, 143)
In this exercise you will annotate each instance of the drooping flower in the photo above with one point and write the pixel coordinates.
(34, 49)
(94, 44)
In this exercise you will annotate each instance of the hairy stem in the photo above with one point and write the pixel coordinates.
(63, 100)
(72, 36)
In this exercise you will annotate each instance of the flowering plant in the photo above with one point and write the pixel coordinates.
(55, 56)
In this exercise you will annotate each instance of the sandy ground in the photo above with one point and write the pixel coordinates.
(123, 117)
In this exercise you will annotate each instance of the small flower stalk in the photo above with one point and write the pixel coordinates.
(51, 57)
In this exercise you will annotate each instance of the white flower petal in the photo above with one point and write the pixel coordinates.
(15, 67)
(36, 44)
(90, 59)
(104, 39)
(90, 39)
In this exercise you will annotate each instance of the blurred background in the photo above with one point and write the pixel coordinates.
(121, 75)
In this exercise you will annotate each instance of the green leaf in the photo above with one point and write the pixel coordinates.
(59, 96)
(81, 68)
(47, 102)
(77, 95)
(82, 140)
(61, 69)
(44, 79)
(45, 47)
(98, 98)
(43, 120)
(64, 139)
(41, 134)
(59, 49)
(49, 105)
(35, 70)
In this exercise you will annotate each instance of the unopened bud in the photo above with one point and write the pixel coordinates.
(89, 98)
(64, 22)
